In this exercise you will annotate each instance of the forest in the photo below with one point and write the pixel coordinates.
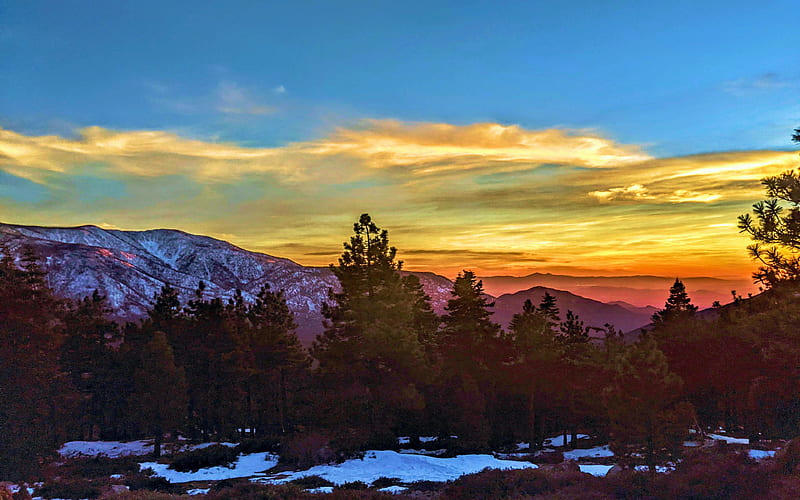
(388, 366)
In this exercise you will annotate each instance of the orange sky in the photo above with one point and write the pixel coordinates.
(492, 198)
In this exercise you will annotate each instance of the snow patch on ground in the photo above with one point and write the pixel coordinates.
(250, 465)
(198, 491)
(393, 489)
(559, 440)
(111, 449)
(760, 454)
(407, 468)
(728, 439)
(596, 452)
(595, 470)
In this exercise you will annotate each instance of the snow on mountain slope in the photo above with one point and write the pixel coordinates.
(130, 267)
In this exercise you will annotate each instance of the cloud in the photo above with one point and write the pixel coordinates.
(633, 192)
(428, 148)
(639, 193)
(760, 83)
(496, 198)
(280, 89)
(236, 100)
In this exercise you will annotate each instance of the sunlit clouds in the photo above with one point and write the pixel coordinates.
(489, 197)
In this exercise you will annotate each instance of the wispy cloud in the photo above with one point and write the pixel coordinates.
(488, 196)
(236, 100)
(760, 83)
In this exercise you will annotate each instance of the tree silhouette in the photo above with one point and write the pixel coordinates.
(678, 305)
(776, 228)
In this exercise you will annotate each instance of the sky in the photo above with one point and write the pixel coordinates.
(583, 138)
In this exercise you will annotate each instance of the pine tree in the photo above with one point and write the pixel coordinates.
(572, 329)
(35, 395)
(89, 361)
(470, 349)
(644, 405)
(548, 306)
(275, 361)
(678, 305)
(370, 351)
(777, 225)
(159, 399)
(535, 351)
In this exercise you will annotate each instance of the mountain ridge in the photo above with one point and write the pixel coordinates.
(130, 267)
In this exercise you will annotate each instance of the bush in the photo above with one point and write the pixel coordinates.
(384, 482)
(75, 488)
(143, 495)
(251, 491)
(309, 482)
(718, 476)
(354, 485)
(96, 467)
(210, 456)
(259, 445)
(307, 450)
(146, 481)
(517, 483)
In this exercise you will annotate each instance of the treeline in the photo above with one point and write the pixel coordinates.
(386, 366)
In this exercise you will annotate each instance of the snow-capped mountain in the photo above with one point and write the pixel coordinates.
(130, 267)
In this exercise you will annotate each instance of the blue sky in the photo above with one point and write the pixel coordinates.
(668, 79)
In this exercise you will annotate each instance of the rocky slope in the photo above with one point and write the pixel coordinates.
(130, 267)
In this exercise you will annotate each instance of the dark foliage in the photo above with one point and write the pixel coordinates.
(210, 456)
(73, 488)
(309, 482)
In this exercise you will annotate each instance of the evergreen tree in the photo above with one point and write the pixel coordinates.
(548, 306)
(35, 395)
(535, 354)
(678, 305)
(644, 405)
(776, 229)
(370, 352)
(275, 362)
(470, 349)
(572, 329)
(90, 362)
(159, 399)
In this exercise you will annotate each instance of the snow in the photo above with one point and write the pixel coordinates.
(728, 439)
(407, 468)
(559, 440)
(111, 449)
(198, 491)
(206, 445)
(393, 489)
(760, 454)
(596, 452)
(427, 439)
(321, 489)
(246, 466)
(595, 470)
(403, 440)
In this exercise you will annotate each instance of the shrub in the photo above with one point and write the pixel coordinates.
(146, 481)
(516, 483)
(383, 482)
(210, 456)
(75, 488)
(96, 467)
(259, 445)
(251, 491)
(354, 485)
(143, 495)
(719, 476)
(307, 450)
(311, 482)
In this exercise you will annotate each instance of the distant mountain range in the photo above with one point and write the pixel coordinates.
(638, 291)
(130, 267)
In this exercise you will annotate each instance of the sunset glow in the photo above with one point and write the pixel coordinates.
(507, 161)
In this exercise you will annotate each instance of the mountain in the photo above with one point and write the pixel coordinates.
(592, 312)
(130, 267)
(639, 291)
